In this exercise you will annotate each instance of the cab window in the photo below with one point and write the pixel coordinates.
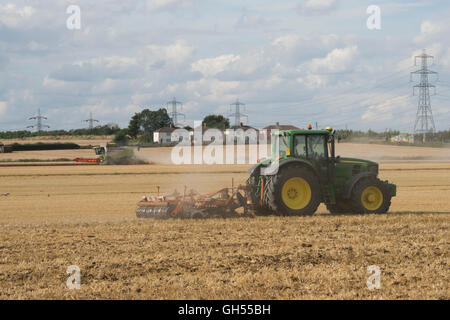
(316, 146)
(300, 146)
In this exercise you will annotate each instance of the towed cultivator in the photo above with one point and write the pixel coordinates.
(220, 203)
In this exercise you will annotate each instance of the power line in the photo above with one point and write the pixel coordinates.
(237, 113)
(174, 114)
(424, 118)
(38, 124)
(90, 121)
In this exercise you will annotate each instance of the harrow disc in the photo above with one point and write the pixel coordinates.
(154, 212)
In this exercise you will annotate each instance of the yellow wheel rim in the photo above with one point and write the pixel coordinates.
(372, 198)
(296, 193)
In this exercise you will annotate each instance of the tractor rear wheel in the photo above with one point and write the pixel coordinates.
(294, 191)
(370, 195)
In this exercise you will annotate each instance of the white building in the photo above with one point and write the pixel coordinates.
(164, 135)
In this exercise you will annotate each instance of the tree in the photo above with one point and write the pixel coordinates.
(121, 137)
(133, 127)
(216, 121)
(147, 121)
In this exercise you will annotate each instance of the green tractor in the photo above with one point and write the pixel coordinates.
(303, 172)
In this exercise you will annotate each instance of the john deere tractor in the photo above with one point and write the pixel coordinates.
(303, 171)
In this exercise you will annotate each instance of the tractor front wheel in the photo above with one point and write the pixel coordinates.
(370, 195)
(295, 191)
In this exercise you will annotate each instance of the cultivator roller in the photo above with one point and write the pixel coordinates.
(220, 203)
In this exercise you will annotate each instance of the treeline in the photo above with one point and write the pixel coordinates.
(44, 146)
(355, 134)
(105, 130)
(440, 136)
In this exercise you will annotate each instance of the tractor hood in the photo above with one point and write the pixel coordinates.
(350, 166)
(356, 161)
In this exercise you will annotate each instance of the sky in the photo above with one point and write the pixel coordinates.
(293, 62)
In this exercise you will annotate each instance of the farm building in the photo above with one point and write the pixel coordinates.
(164, 135)
(267, 131)
(247, 135)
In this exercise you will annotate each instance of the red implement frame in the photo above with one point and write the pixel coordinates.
(221, 202)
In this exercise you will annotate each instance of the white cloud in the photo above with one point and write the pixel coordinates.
(162, 5)
(428, 30)
(142, 98)
(132, 108)
(337, 60)
(253, 20)
(213, 66)
(312, 81)
(36, 47)
(212, 90)
(98, 68)
(102, 108)
(252, 65)
(385, 110)
(13, 16)
(288, 41)
(316, 6)
(113, 62)
(173, 54)
(54, 83)
(113, 86)
(445, 61)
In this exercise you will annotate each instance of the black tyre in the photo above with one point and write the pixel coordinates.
(294, 191)
(370, 195)
(258, 209)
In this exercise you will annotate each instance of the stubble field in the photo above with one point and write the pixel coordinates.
(54, 217)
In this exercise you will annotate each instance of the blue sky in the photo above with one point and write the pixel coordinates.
(295, 62)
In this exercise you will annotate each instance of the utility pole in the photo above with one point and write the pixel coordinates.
(90, 121)
(424, 118)
(237, 113)
(174, 114)
(38, 124)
